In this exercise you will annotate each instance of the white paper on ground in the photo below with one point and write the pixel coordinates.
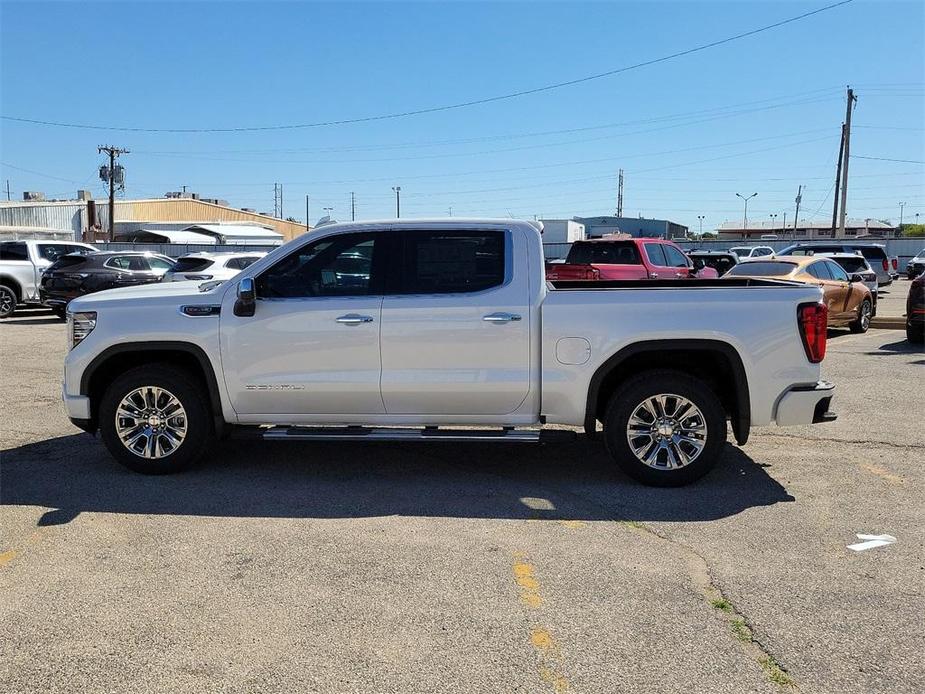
(871, 541)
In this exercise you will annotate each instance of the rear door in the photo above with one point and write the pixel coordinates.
(455, 325)
(678, 262)
(658, 263)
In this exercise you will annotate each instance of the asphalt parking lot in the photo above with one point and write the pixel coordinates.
(412, 568)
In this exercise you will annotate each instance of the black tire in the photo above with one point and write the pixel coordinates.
(650, 384)
(862, 323)
(188, 390)
(915, 333)
(61, 313)
(7, 301)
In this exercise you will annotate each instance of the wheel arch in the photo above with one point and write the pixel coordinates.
(709, 360)
(118, 359)
(13, 284)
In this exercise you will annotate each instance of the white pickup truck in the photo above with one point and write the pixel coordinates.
(21, 267)
(437, 330)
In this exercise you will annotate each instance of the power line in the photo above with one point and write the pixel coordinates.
(449, 107)
(902, 161)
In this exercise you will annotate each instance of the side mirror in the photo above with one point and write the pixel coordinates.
(855, 277)
(246, 304)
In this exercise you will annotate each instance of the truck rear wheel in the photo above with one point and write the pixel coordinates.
(7, 301)
(155, 419)
(665, 428)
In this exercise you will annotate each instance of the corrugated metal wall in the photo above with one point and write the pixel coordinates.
(52, 215)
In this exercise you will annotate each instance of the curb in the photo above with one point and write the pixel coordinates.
(889, 323)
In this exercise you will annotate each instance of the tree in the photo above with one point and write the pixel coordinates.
(912, 230)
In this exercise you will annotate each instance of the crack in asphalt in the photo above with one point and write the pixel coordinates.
(854, 442)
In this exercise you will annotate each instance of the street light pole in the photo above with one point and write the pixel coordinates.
(700, 219)
(901, 206)
(745, 219)
(397, 190)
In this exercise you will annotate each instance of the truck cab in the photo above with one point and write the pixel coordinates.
(621, 257)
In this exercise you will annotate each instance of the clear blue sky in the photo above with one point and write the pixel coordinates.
(761, 114)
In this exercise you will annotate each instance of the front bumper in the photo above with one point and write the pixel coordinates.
(77, 406)
(806, 405)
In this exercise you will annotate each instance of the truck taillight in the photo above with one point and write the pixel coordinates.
(813, 321)
(886, 265)
(895, 263)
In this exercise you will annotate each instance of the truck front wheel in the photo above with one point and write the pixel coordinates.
(665, 428)
(155, 420)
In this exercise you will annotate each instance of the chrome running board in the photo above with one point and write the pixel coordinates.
(429, 434)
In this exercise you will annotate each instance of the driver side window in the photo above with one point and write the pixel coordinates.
(333, 266)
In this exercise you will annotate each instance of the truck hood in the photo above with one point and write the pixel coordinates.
(149, 294)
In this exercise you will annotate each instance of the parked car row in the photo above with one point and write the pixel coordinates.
(52, 274)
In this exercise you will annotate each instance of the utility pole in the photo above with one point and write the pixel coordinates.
(901, 206)
(796, 215)
(841, 154)
(353, 207)
(308, 225)
(745, 218)
(846, 156)
(783, 227)
(397, 190)
(450, 211)
(8, 190)
(278, 200)
(111, 176)
(620, 194)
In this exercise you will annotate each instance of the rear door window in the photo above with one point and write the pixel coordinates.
(675, 257)
(655, 254)
(819, 271)
(13, 251)
(451, 262)
(872, 253)
(853, 264)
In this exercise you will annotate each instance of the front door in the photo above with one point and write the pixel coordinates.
(659, 267)
(455, 327)
(312, 345)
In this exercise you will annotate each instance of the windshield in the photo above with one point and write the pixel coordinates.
(604, 253)
(53, 251)
(762, 269)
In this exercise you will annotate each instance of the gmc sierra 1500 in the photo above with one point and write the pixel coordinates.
(402, 330)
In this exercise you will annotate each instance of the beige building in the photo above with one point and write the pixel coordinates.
(78, 216)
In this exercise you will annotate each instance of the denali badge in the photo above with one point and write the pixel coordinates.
(278, 386)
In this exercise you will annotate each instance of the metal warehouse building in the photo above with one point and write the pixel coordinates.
(595, 227)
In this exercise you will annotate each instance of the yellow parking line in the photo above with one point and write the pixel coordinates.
(8, 556)
(544, 644)
(883, 473)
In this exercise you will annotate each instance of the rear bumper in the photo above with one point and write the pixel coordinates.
(806, 405)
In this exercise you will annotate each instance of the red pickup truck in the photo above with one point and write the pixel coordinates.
(626, 259)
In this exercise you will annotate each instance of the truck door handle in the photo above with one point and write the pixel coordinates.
(501, 317)
(354, 319)
(653, 275)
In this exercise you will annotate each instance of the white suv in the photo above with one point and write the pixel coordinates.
(211, 266)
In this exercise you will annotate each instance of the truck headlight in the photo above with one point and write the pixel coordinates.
(79, 325)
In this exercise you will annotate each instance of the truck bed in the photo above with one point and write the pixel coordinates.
(694, 283)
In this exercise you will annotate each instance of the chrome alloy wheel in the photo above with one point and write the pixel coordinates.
(151, 422)
(865, 315)
(666, 431)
